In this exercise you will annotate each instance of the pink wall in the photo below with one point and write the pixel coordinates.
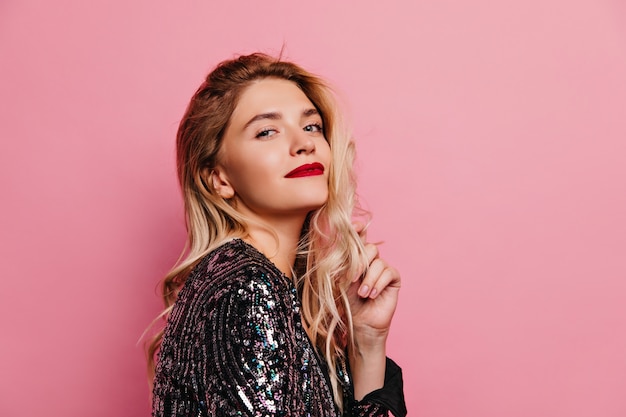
(492, 142)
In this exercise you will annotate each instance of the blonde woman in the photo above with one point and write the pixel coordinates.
(279, 306)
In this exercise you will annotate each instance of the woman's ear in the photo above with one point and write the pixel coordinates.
(220, 183)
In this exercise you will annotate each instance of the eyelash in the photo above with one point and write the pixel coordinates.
(265, 132)
(318, 126)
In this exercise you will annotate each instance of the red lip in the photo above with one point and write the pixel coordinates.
(307, 170)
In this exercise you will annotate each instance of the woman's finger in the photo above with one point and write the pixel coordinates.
(371, 253)
(376, 268)
(390, 277)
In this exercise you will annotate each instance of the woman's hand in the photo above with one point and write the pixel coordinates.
(373, 297)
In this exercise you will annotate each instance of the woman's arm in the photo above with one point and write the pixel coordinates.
(373, 299)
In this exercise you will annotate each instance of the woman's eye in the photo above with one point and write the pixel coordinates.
(314, 127)
(265, 133)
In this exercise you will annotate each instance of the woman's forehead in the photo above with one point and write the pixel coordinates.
(270, 95)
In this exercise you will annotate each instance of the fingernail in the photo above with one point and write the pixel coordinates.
(373, 293)
(363, 291)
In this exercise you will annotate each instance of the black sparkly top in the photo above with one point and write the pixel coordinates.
(234, 345)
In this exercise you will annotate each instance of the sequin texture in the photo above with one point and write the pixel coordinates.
(234, 346)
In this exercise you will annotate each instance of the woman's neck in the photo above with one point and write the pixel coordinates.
(281, 247)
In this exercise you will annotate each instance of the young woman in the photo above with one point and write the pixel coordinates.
(280, 306)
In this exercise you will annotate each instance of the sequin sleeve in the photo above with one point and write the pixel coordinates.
(251, 346)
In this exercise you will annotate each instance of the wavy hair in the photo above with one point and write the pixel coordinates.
(330, 252)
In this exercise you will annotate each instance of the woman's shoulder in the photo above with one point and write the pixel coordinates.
(232, 257)
(233, 266)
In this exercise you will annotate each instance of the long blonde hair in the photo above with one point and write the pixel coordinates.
(330, 252)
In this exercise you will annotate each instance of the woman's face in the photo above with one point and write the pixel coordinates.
(274, 158)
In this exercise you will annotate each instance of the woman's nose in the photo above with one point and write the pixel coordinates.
(302, 143)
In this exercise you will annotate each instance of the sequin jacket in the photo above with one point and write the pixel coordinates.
(234, 345)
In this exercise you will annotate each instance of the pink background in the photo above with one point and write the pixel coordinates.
(492, 139)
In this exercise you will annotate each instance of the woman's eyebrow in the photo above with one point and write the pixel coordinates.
(276, 116)
(310, 112)
(262, 116)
